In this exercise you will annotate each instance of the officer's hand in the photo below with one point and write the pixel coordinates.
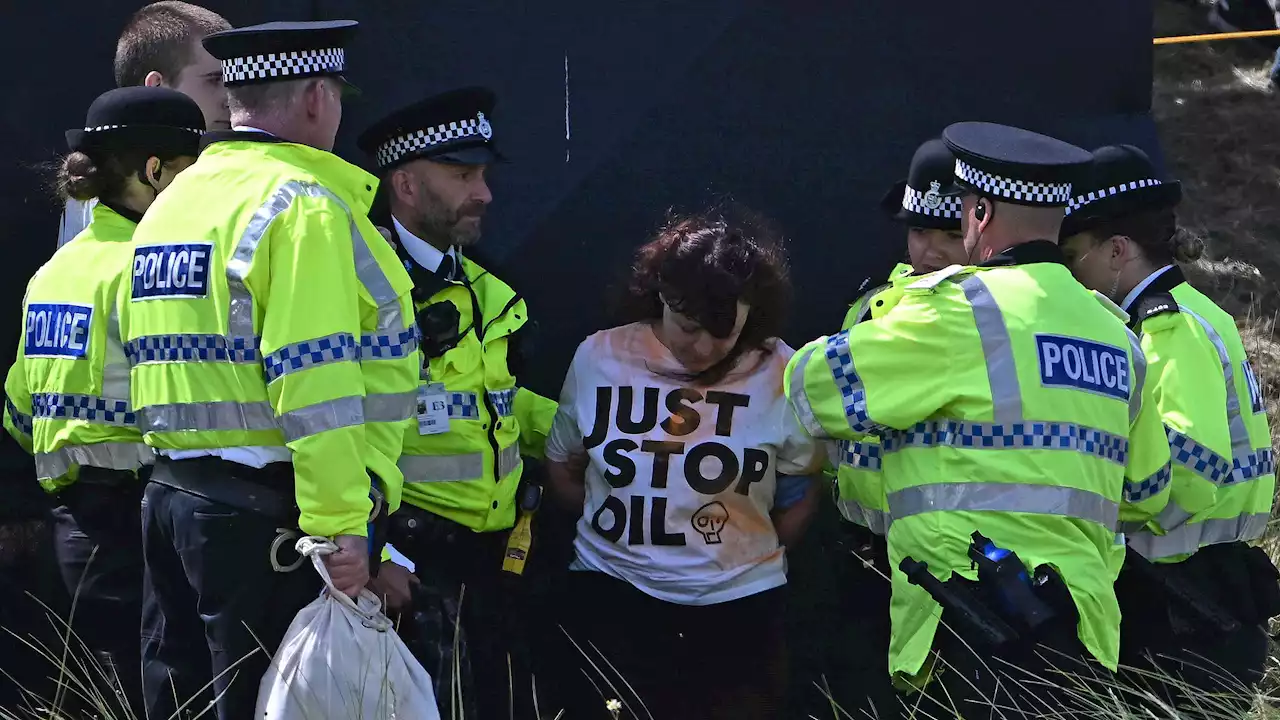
(349, 567)
(393, 585)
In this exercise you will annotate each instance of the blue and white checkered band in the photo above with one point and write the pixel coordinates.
(283, 65)
(1038, 193)
(1082, 200)
(392, 150)
(931, 203)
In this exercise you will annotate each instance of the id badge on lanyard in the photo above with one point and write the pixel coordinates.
(433, 409)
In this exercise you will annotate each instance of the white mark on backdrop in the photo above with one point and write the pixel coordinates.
(566, 108)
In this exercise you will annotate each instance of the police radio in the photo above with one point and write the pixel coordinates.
(439, 323)
(1003, 577)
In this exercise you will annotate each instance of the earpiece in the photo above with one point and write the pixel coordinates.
(980, 212)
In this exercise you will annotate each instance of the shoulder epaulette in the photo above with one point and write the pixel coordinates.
(933, 279)
(1153, 304)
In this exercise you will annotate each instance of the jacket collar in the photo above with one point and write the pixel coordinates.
(132, 216)
(426, 283)
(1165, 282)
(1036, 251)
(355, 186)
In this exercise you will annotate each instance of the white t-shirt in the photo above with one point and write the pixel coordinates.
(681, 478)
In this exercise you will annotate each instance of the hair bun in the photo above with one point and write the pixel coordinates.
(1187, 247)
(80, 178)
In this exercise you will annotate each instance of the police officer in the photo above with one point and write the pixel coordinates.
(933, 242)
(1010, 402)
(67, 393)
(1194, 596)
(462, 461)
(274, 362)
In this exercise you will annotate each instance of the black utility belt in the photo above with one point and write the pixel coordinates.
(266, 491)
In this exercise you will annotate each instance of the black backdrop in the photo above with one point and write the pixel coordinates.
(614, 111)
(805, 110)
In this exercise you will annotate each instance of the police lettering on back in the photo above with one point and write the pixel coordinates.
(171, 271)
(1069, 362)
(55, 330)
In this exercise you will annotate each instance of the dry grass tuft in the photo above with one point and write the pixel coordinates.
(1216, 115)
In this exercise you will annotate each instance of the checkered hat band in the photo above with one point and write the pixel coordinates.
(101, 128)
(392, 150)
(1018, 190)
(914, 201)
(1082, 200)
(282, 65)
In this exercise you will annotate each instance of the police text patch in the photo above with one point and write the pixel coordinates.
(56, 330)
(1069, 362)
(171, 271)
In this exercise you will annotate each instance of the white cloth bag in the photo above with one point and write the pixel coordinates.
(341, 659)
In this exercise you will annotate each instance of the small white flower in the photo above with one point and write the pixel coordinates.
(613, 706)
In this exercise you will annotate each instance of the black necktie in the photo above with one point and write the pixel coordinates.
(447, 268)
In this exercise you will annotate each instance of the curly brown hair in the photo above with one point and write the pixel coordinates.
(702, 265)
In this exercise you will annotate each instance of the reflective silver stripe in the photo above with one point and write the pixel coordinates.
(1004, 497)
(21, 420)
(86, 408)
(115, 370)
(1191, 537)
(1002, 372)
(322, 417)
(390, 317)
(1242, 528)
(111, 456)
(1003, 436)
(1139, 376)
(800, 399)
(339, 347)
(390, 407)
(874, 520)
(1240, 445)
(225, 415)
(1183, 540)
(455, 468)
(240, 317)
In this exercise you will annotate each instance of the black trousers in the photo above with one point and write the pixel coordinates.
(667, 661)
(861, 686)
(1050, 675)
(1168, 653)
(214, 609)
(492, 611)
(98, 545)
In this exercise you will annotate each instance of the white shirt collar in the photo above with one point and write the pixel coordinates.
(423, 252)
(247, 128)
(1137, 289)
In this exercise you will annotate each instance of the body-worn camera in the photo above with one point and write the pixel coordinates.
(439, 325)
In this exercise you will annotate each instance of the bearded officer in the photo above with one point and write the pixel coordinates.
(1009, 401)
(462, 462)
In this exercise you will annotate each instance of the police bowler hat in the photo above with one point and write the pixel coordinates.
(1121, 182)
(153, 120)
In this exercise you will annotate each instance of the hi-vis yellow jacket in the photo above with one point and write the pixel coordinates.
(1009, 401)
(67, 393)
(859, 489)
(470, 472)
(1223, 465)
(264, 309)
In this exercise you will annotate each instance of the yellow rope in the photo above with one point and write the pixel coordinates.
(1214, 36)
